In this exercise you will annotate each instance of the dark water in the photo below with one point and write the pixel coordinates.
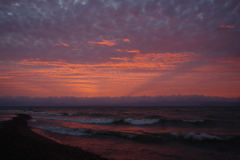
(140, 133)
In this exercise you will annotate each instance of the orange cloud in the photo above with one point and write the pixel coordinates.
(144, 74)
(77, 79)
(126, 40)
(64, 44)
(132, 51)
(226, 26)
(165, 57)
(231, 60)
(141, 62)
(129, 51)
(119, 50)
(61, 44)
(104, 42)
(122, 58)
(222, 65)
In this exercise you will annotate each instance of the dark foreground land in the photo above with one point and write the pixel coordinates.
(18, 141)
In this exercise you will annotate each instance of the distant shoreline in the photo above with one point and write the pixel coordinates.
(18, 141)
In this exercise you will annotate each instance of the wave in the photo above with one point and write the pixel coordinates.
(123, 121)
(140, 121)
(143, 138)
(193, 120)
(195, 136)
(102, 120)
(44, 113)
(68, 114)
(90, 132)
(79, 120)
(63, 130)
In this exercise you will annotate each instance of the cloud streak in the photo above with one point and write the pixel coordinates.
(226, 26)
(105, 42)
(87, 48)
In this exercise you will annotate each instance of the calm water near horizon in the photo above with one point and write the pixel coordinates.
(140, 133)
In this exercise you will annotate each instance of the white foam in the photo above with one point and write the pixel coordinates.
(140, 121)
(193, 120)
(195, 136)
(79, 120)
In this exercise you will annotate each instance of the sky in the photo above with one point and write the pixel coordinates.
(114, 48)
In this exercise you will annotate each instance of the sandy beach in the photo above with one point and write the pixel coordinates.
(18, 141)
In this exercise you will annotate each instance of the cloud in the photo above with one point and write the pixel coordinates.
(126, 40)
(132, 51)
(226, 26)
(104, 42)
(62, 44)
(119, 50)
(151, 26)
(83, 47)
(129, 51)
(143, 74)
(122, 58)
(165, 57)
(150, 61)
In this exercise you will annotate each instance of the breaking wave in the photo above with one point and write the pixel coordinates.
(195, 136)
(90, 132)
(102, 120)
(79, 120)
(123, 121)
(44, 113)
(63, 130)
(144, 138)
(140, 121)
(193, 120)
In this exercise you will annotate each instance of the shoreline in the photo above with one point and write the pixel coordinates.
(18, 141)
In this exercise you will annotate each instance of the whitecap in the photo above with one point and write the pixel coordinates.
(195, 136)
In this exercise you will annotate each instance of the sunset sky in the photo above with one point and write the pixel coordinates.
(99, 48)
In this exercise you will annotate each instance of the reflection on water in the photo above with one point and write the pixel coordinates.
(140, 133)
